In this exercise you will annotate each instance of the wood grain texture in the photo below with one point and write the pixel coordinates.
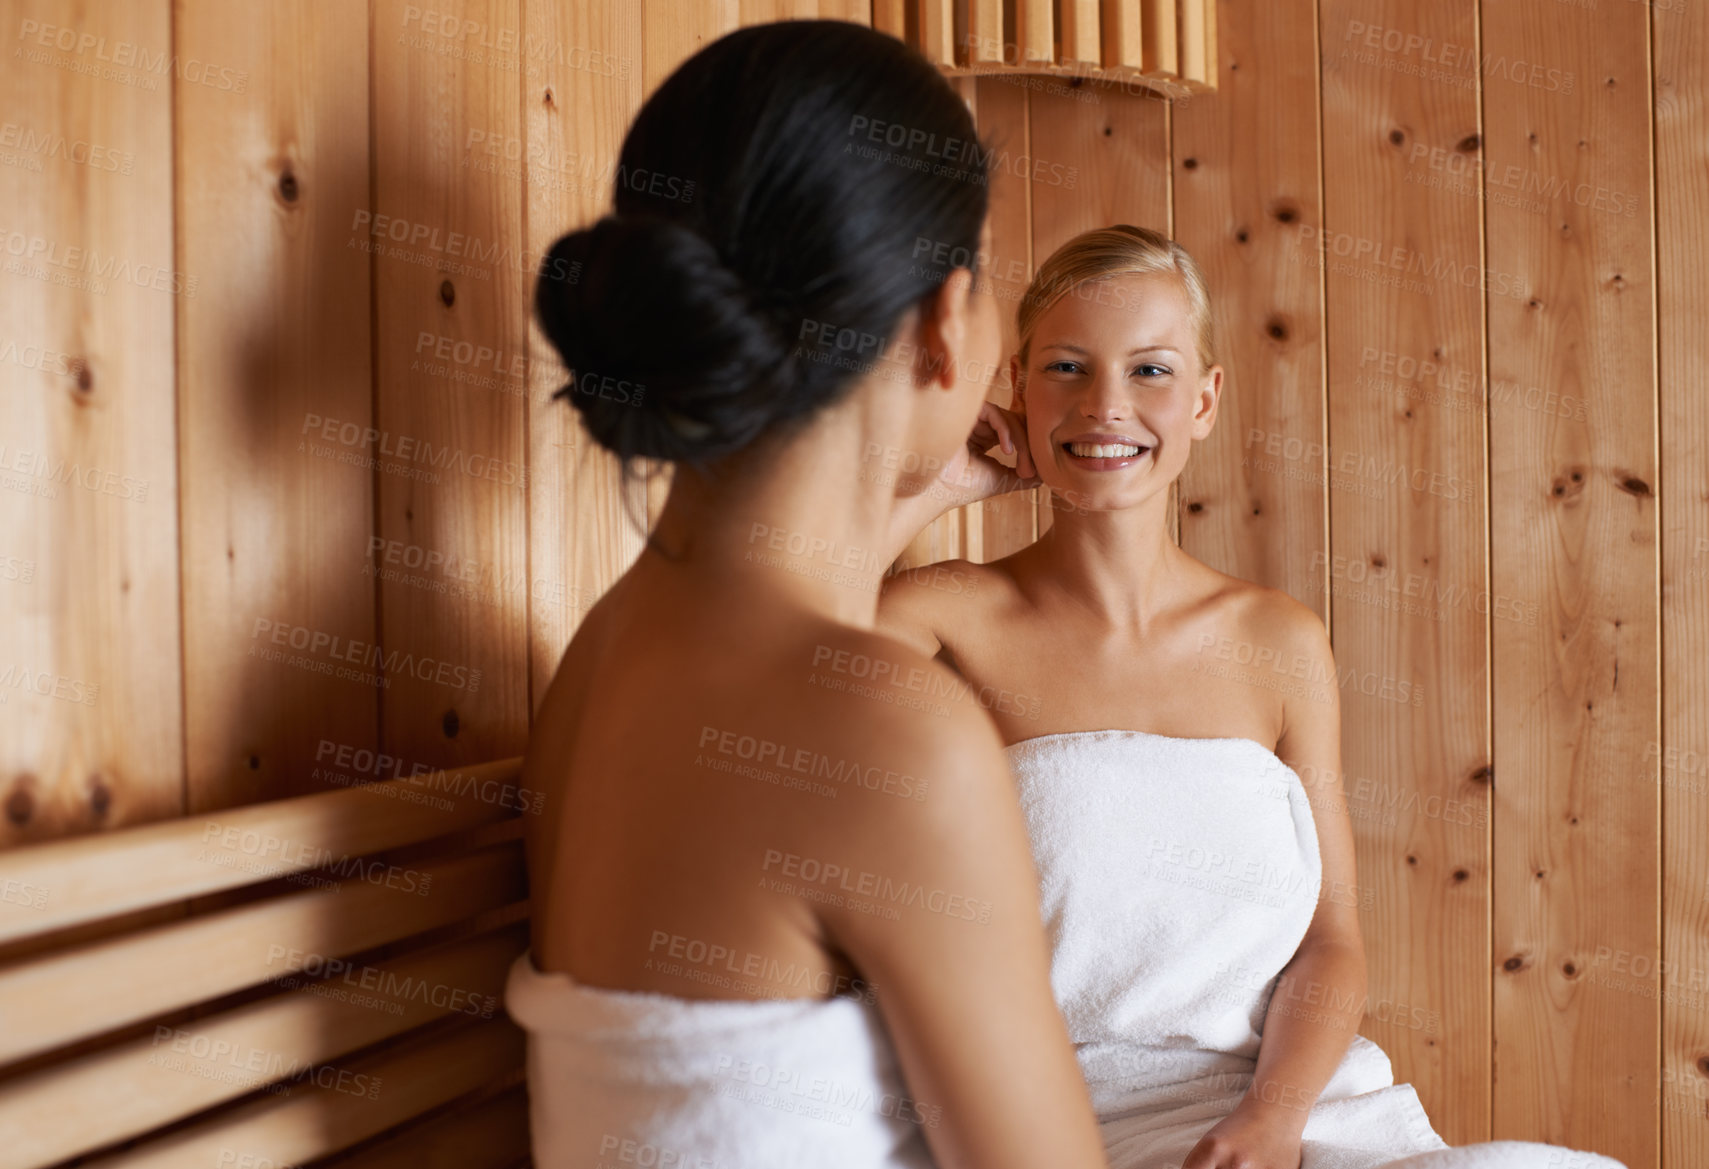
(293, 1130)
(1680, 36)
(452, 474)
(91, 719)
(1574, 536)
(60, 998)
(1406, 472)
(585, 526)
(1246, 196)
(492, 1134)
(271, 183)
(132, 1088)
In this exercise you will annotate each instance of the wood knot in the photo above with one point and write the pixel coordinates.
(1632, 485)
(1569, 485)
(1398, 137)
(450, 724)
(1276, 328)
(1242, 236)
(81, 375)
(1517, 962)
(21, 803)
(1469, 144)
(1461, 875)
(1285, 212)
(1189, 164)
(447, 293)
(1195, 507)
(288, 186)
(100, 797)
(1484, 774)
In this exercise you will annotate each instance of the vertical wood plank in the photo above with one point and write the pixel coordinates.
(1096, 163)
(1160, 36)
(1008, 522)
(936, 19)
(1197, 64)
(1573, 535)
(985, 32)
(584, 525)
(1079, 33)
(891, 16)
(276, 530)
(1031, 29)
(452, 470)
(1246, 199)
(91, 719)
(1123, 34)
(1406, 473)
(1681, 39)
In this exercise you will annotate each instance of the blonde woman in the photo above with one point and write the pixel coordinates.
(1177, 755)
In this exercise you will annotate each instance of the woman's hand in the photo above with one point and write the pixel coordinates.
(970, 475)
(1254, 1136)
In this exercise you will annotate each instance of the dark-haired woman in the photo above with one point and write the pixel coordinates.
(784, 911)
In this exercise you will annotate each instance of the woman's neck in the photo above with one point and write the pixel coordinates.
(1119, 565)
(802, 521)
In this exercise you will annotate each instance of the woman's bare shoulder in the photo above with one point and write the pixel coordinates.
(931, 605)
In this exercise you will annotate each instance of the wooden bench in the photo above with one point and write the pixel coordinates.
(316, 980)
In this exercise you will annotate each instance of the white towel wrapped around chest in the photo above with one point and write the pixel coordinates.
(1178, 877)
(623, 1078)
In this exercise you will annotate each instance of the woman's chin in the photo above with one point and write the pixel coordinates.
(1072, 493)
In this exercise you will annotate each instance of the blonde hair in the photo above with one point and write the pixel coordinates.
(1122, 250)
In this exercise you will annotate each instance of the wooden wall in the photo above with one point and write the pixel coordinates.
(285, 505)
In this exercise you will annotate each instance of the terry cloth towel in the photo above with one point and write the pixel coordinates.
(624, 1078)
(1178, 878)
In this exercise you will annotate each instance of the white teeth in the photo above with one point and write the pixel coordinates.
(1098, 450)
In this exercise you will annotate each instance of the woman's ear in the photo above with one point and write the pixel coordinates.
(944, 327)
(1204, 409)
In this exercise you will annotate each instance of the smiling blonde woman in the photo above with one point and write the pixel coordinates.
(1180, 772)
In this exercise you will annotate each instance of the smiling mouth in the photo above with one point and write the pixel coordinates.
(1105, 450)
(1105, 456)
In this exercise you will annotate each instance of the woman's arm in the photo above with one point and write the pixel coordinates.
(1319, 999)
(962, 975)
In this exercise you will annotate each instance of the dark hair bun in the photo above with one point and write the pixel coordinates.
(670, 357)
(781, 202)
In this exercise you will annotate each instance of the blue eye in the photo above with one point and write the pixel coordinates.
(1150, 370)
(1058, 364)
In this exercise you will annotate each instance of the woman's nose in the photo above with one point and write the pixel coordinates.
(1105, 400)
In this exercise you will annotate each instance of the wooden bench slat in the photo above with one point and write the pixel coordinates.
(490, 1135)
(50, 1001)
(135, 1087)
(288, 1131)
(64, 883)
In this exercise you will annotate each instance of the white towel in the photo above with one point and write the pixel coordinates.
(621, 1078)
(1178, 877)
